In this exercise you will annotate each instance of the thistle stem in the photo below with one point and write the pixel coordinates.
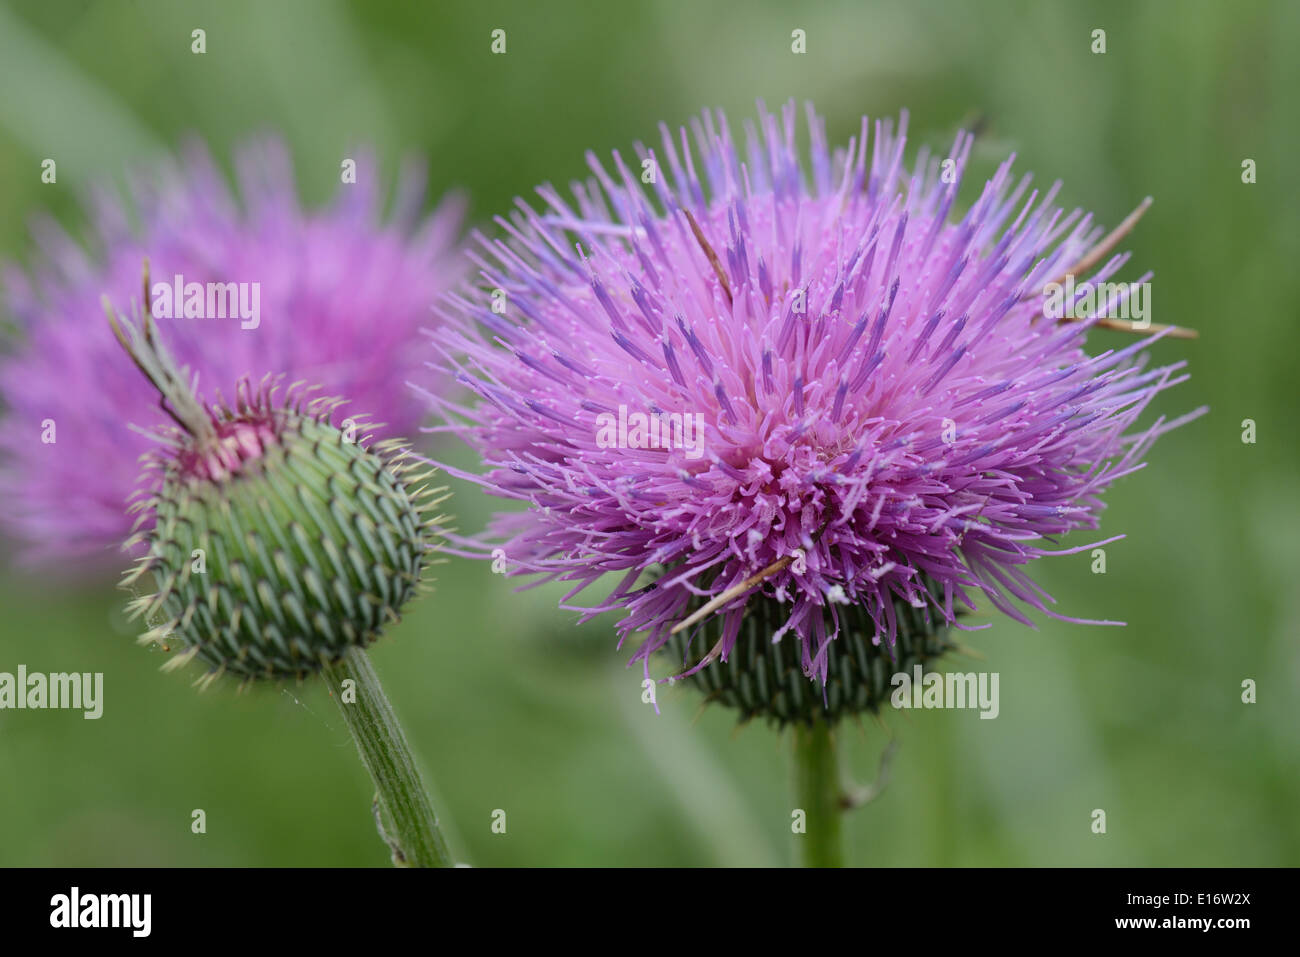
(817, 793)
(416, 841)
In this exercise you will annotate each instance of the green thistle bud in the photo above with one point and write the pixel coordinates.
(762, 679)
(276, 542)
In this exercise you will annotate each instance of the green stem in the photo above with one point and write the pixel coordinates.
(417, 841)
(817, 791)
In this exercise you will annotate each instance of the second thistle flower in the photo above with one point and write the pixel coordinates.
(794, 404)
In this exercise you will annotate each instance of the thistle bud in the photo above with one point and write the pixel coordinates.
(275, 541)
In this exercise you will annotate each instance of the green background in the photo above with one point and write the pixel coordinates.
(508, 705)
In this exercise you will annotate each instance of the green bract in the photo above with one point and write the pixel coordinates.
(275, 541)
(762, 679)
(308, 550)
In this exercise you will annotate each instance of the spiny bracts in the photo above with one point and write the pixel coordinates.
(276, 541)
(766, 680)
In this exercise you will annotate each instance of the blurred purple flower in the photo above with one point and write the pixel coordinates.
(342, 293)
(887, 413)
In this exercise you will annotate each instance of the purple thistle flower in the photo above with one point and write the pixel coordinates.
(341, 293)
(889, 419)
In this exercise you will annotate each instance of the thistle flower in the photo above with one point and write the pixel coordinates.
(889, 425)
(277, 542)
(340, 295)
(280, 547)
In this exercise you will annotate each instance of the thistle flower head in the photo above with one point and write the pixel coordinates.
(340, 294)
(889, 426)
(275, 541)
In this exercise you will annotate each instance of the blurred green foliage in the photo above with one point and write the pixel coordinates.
(508, 704)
